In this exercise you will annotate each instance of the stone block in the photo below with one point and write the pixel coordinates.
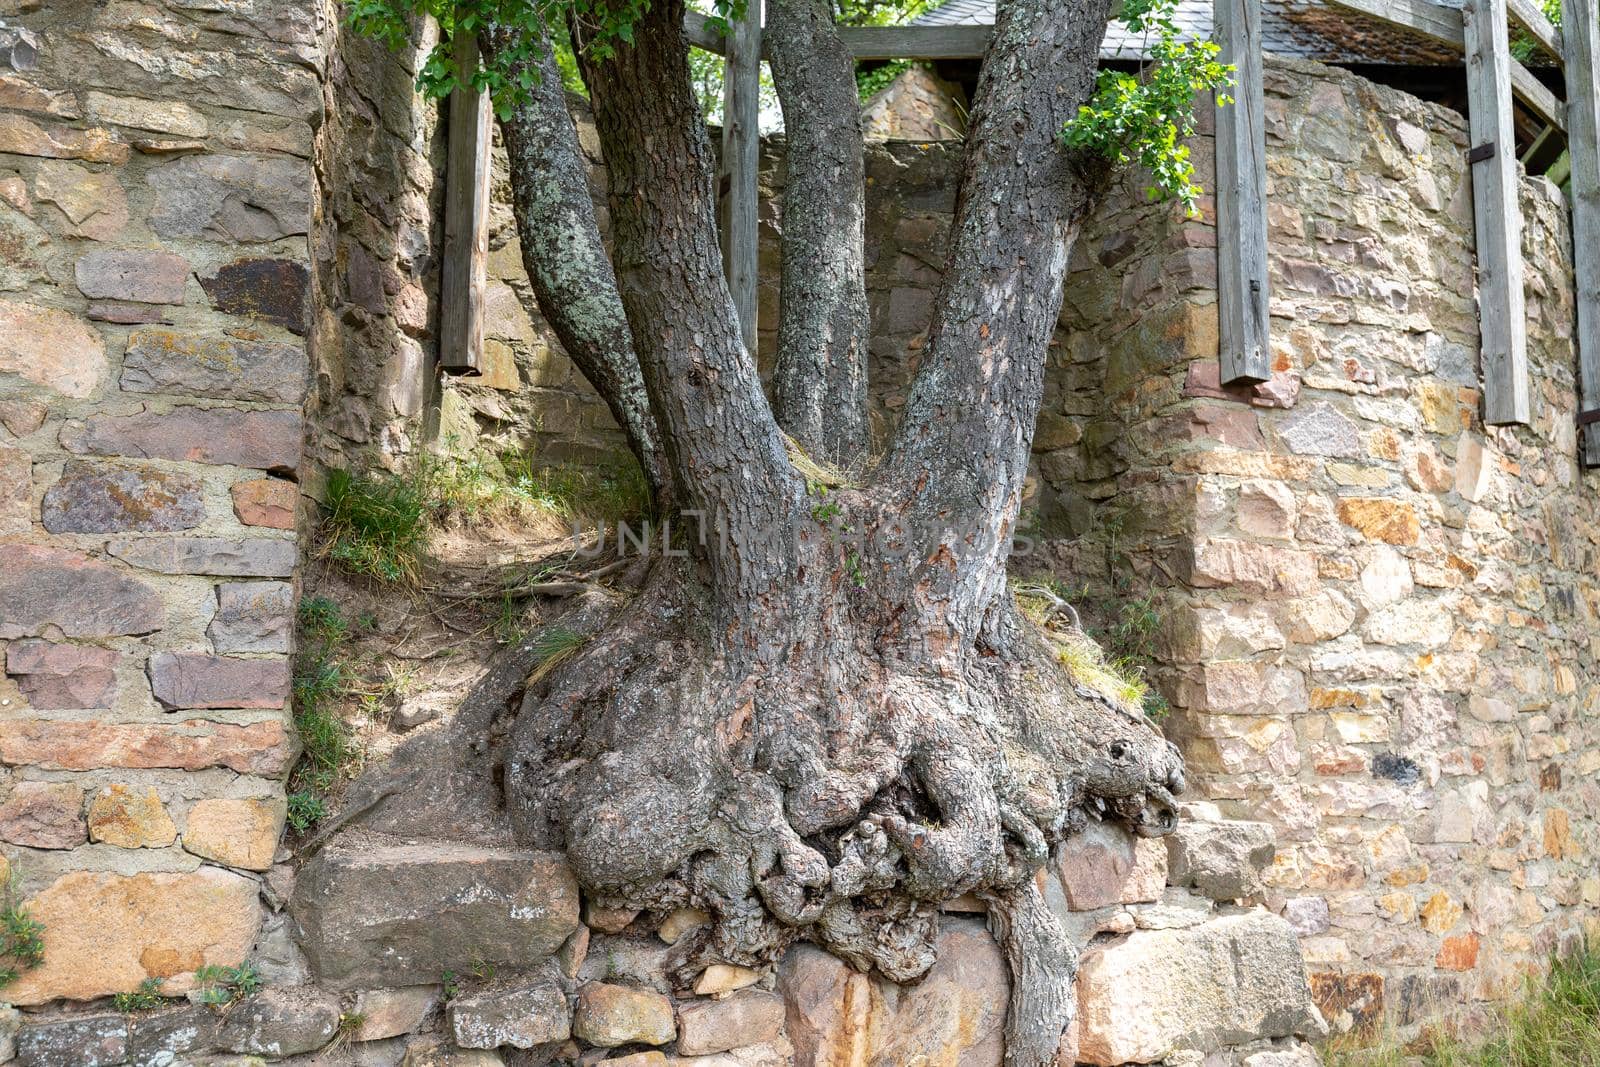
(42, 587)
(1222, 860)
(389, 1013)
(62, 676)
(612, 1015)
(269, 502)
(231, 198)
(213, 365)
(1320, 430)
(266, 440)
(159, 116)
(235, 831)
(261, 748)
(130, 817)
(16, 491)
(196, 680)
(82, 1041)
(272, 290)
(408, 913)
(1383, 519)
(522, 1016)
(1233, 979)
(94, 202)
(1250, 567)
(51, 348)
(750, 1017)
(137, 275)
(24, 137)
(222, 557)
(145, 926)
(98, 498)
(163, 1037)
(44, 815)
(280, 1022)
(1094, 864)
(253, 617)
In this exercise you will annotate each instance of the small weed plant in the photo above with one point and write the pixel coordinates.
(221, 986)
(146, 998)
(21, 935)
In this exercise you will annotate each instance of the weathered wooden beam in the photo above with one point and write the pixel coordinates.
(1244, 347)
(1444, 24)
(1581, 37)
(1502, 314)
(873, 42)
(466, 224)
(741, 164)
(1526, 13)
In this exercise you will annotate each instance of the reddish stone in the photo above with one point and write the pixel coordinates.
(1458, 953)
(167, 361)
(196, 680)
(57, 676)
(263, 748)
(125, 314)
(1355, 1000)
(144, 277)
(1382, 519)
(42, 587)
(245, 557)
(16, 490)
(266, 502)
(268, 440)
(44, 815)
(22, 417)
(273, 290)
(52, 348)
(253, 617)
(1234, 427)
(28, 138)
(93, 498)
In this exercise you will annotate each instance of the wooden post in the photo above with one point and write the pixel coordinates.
(1502, 315)
(741, 162)
(466, 224)
(1245, 348)
(1580, 32)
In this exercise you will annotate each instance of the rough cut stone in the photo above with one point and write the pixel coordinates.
(523, 1016)
(27, 138)
(42, 587)
(1381, 519)
(62, 676)
(267, 440)
(1320, 430)
(128, 817)
(273, 290)
(98, 498)
(612, 1015)
(1233, 979)
(1094, 864)
(196, 680)
(750, 1017)
(280, 1022)
(86, 1041)
(162, 116)
(163, 1037)
(239, 832)
(253, 617)
(144, 277)
(1223, 860)
(408, 913)
(22, 416)
(44, 815)
(722, 978)
(269, 502)
(389, 1013)
(121, 314)
(16, 491)
(51, 348)
(145, 926)
(430, 1051)
(94, 202)
(22, 94)
(231, 198)
(262, 748)
(167, 361)
(1253, 567)
(218, 556)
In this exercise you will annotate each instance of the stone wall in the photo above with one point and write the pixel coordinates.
(1379, 613)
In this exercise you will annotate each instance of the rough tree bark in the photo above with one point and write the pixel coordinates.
(828, 715)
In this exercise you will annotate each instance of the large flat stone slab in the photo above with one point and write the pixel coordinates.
(387, 915)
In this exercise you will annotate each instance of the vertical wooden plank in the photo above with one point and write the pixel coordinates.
(466, 224)
(1502, 315)
(741, 162)
(1245, 348)
(1580, 34)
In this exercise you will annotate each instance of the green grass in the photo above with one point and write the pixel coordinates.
(1554, 1023)
(21, 936)
(376, 525)
(146, 998)
(320, 682)
(221, 986)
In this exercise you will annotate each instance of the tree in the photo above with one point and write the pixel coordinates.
(826, 714)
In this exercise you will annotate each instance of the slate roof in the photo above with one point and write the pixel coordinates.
(1304, 29)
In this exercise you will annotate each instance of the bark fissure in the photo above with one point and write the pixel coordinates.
(820, 380)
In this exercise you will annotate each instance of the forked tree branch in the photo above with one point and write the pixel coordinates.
(820, 385)
(961, 453)
(724, 447)
(565, 257)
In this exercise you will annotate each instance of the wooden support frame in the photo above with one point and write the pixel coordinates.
(1502, 311)
(1581, 39)
(1244, 350)
(464, 270)
(741, 165)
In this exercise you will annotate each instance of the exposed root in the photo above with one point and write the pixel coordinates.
(839, 796)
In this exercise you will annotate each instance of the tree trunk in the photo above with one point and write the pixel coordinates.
(828, 717)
